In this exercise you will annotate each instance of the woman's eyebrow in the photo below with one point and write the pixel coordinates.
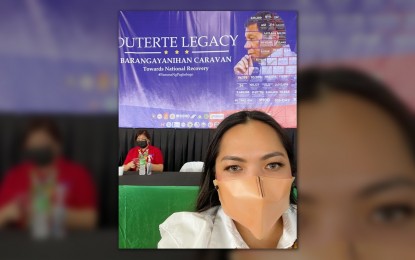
(239, 159)
(385, 185)
(233, 158)
(273, 154)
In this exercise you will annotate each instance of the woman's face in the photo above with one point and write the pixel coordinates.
(142, 137)
(40, 139)
(357, 184)
(251, 149)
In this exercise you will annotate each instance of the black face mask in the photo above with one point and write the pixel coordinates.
(40, 156)
(142, 144)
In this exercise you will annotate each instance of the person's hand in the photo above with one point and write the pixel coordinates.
(130, 165)
(244, 66)
(10, 213)
(13, 211)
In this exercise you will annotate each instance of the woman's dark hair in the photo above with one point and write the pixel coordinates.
(208, 196)
(142, 132)
(313, 82)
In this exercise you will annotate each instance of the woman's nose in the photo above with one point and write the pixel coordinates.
(257, 171)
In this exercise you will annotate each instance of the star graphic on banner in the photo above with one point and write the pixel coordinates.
(177, 52)
(166, 52)
(187, 51)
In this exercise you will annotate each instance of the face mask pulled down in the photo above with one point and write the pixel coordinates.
(255, 202)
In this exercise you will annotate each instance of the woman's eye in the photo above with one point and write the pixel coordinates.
(392, 214)
(273, 166)
(233, 168)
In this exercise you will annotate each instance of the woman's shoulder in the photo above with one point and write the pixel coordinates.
(187, 229)
(178, 218)
(133, 150)
(154, 148)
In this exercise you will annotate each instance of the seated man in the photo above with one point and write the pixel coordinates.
(143, 147)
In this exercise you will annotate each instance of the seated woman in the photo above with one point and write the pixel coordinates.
(244, 199)
(45, 177)
(142, 138)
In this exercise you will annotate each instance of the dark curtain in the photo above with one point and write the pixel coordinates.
(88, 140)
(177, 145)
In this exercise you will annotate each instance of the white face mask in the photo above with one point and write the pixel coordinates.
(255, 202)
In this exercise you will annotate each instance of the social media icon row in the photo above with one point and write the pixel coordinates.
(167, 116)
(191, 124)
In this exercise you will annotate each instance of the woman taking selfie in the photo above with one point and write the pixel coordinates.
(244, 199)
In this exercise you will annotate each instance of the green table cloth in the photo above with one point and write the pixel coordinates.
(142, 209)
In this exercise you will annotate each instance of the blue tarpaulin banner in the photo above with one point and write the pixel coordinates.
(190, 69)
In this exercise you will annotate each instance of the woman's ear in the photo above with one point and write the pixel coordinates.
(215, 184)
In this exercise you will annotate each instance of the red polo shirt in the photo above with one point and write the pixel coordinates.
(80, 189)
(157, 156)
